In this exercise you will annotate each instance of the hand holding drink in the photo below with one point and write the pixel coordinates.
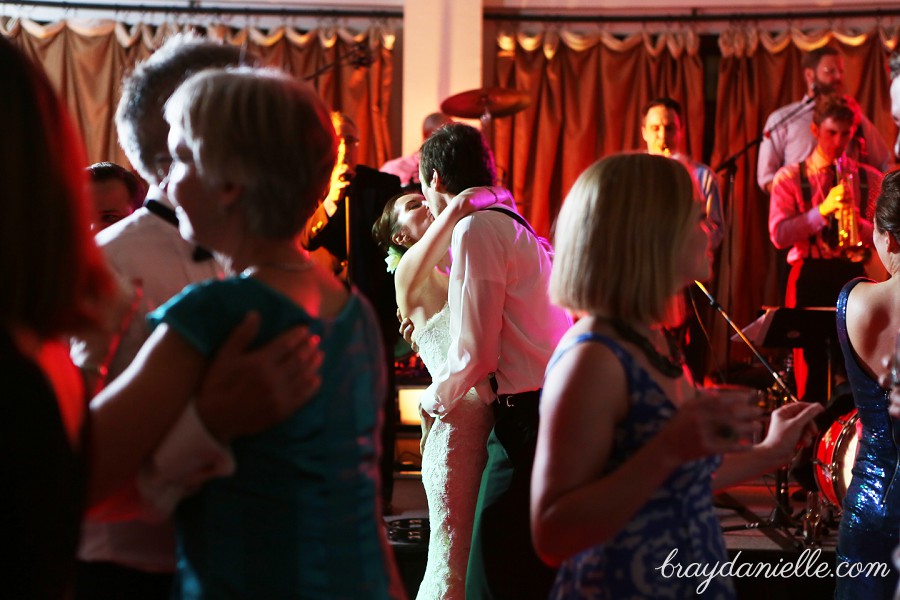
(714, 421)
(734, 423)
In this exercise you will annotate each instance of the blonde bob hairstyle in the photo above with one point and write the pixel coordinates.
(265, 131)
(618, 237)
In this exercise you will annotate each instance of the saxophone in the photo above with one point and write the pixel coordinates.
(849, 244)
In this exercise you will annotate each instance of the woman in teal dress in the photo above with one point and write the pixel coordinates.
(867, 322)
(628, 450)
(299, 517)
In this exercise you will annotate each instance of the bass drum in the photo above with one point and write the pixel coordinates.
(835, 455)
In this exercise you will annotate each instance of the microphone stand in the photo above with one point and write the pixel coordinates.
(778, 379)
(358, 56)
(782, 515)
(730, 165)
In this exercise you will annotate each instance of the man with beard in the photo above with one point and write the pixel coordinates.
(805, 195)
(793, 141)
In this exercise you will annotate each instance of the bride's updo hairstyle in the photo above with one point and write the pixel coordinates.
(263, 130)
(387, 225)
(619, 233)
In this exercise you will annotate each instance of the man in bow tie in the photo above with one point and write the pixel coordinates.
(131, 558)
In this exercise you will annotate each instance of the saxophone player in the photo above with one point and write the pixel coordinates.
(814, 204)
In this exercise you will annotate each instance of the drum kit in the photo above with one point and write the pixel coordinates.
(834, 451)
(486, 104)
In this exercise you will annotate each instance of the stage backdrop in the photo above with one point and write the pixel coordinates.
(760, 72)
(586, 92)
(86, 62)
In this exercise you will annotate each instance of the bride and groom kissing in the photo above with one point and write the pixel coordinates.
(485, 328)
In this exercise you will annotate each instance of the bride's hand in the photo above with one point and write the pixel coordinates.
(427, 422)
(478, 198)
(406, 330)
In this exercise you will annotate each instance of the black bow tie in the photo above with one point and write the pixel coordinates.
(167, 214)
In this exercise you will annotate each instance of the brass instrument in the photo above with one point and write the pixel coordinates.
(849, 243)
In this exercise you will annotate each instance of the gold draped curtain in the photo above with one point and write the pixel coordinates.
(586, 93)
(86, 61)
(760, 72)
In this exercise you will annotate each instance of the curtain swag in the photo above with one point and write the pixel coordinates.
(745, 41)
(154, 36)
(85, 60)
(677, 43)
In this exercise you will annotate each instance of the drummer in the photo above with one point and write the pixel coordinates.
(868, 318)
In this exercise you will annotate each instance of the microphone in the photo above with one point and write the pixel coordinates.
(816, 91)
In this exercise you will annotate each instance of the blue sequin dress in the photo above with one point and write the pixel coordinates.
(870, 524)
(677, 519)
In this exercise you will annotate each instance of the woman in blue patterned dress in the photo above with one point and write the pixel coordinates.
(867, 321)
(628, 451)
(299, 517)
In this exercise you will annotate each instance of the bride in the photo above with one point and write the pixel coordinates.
(453, 446)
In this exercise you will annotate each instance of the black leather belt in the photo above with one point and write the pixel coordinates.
(505, 402)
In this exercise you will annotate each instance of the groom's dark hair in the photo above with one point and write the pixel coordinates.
(460, 155)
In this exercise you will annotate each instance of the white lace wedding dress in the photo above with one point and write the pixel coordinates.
(452, 463)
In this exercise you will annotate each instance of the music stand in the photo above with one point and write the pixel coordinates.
(781, 327)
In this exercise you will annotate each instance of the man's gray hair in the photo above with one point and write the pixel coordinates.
(139, 116)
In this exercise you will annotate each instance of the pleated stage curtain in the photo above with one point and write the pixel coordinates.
(86, 61)
(586, 94)
(760, 72)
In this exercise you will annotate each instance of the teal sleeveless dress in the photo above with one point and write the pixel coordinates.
(299, 518)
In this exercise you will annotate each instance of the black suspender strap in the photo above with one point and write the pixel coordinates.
(805, 191)
(515, 216)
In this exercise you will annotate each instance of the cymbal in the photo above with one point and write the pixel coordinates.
(496, 102)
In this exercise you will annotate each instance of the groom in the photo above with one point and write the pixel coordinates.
(503, 331)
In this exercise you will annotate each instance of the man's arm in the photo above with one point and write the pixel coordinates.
(93, 350)
(771, 156)
(281, 376)
(709, 187)
(476, 297)
(419, 260)
(879, 155)
(867, 205)
(787, 224)
(313, 235)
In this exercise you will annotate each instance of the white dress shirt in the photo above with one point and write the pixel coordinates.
(793, 142)
(501, 317)
(144, 251)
